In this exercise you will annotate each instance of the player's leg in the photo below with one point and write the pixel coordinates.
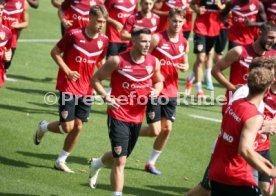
(264, 181)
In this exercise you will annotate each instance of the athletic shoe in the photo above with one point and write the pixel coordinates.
(210, 86)
(93, 175)
(62, 167)
(271, 186)
(39, 133)
(200, 94)
(151, 169)
(189, 86)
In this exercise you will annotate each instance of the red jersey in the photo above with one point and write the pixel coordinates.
(119, 10)
(227, 165)
(167, 5)
(238, 31)
(131, 84)
(13, 11)
(239, 70)
(188, 26)
(270, 8)
(81, 54)
(170, 54)
(207, 24)
(78, 11)
(5, 42)
(269, 114)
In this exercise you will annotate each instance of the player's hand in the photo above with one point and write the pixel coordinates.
(269, 127)
(111, 103)
(16, 25)
(67, 23)
(153, 94)
(183, 66)
(73, 75)
(248, 22)
(8, 54)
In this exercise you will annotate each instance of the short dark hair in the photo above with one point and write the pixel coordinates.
(177, 10)
(266, 62)
(268, 26)
(98, 10)
(3, 2)
(259, 80)
(137, 31)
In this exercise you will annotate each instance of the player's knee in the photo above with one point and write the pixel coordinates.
(120, 162)
(65, 128)
(166, 130)
(155, 131)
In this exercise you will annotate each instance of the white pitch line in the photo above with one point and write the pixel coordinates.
(38, 40)
(205, 118)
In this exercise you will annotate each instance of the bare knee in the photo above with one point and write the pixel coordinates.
(120, 162)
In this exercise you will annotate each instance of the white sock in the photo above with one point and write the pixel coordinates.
(44, 127)
(208, 75)
(117, 193)
(62, 156)
(192, 77)
(154, 156)
(199, 86)
(97, 163)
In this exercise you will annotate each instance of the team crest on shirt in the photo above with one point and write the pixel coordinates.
(252, 7)
(118, 150)
(100, 44)
(151, 115)
(200, 47)
(2, 35)
(153, 21)
(181, 48)
(149, 69)
(18, 5)
(64, 114)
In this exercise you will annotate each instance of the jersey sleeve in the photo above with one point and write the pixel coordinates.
(66, 41)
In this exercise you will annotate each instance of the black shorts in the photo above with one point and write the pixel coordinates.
(203, 44)
(71, 107)
(161, 107)
(186, 34)
(221, 41)
(266, 155)
(219, 189)
(232, 45)
(123, 136)
(205, 183)
(115, 48)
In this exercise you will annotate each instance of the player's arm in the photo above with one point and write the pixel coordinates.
(154, 42)
(196, 8)
(56, 3)
(104, 72)
(33, 3)
(185, 65)
(157, 8)
(25, 22)
(217, 71)
(116, 24)
(125, 35)
(246, 143)
(66, 23)
(261, 18)
(224, 13)
(157, 80)
(56, 54)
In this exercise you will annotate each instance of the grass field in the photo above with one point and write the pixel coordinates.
(26, 169)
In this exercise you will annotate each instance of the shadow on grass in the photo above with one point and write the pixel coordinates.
(139, 190)
(15, 194)
(26, 110)
(31, 91)
(17, 163)
(179, 190)
(20, 77)
(71, 159)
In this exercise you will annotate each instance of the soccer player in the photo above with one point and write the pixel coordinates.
(142, 19)
(75, 14)
(239, 58)
(16, 18)
(5, 44)
(119, 11)
(234, 155)
(135, 76)
(206, 29)
(171, 48)
(76, 54)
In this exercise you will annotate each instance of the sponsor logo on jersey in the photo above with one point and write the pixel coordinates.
(18, 5)
(153, 21)
(149, 68)
(181, 48)
(151, 115)
(252, 7)
(118, 150)
(100, 44)
(64, 114)
(2, 35)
